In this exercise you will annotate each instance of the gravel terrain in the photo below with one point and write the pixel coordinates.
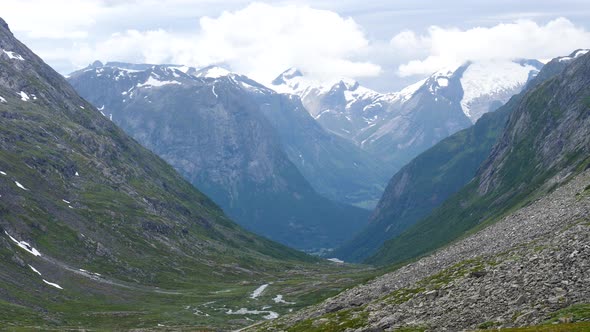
(516, 272)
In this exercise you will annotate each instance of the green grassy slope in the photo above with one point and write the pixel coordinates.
(426, 182)
(432, 177)
(128, 240)
(544, 143)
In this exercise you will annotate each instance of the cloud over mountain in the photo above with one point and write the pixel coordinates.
(441, 47)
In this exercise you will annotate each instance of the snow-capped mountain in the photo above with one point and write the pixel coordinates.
(575, 54)
(211, 72)
(257, 153)
(486, 85)
(401, 124)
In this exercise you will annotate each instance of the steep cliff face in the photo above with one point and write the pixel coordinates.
(223, 134)
(546, 137)
(544, 143)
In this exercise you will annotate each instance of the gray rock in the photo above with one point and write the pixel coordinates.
(523, 284)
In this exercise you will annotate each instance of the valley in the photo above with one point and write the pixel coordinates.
(178, 184)
(205, 303)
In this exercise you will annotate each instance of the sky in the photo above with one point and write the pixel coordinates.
(384, 44)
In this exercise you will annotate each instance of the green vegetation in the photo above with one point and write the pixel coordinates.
(518, 178)
(87, 304)
(569, 327)
(438, 280)
(156, 250)
(411, 329)
(574, 313)
(488, 325)
(430, 179)
(402, 295)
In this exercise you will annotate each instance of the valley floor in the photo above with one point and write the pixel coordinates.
(208, 305)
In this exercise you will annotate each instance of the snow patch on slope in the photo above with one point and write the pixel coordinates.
(20, 186)
(406, 93)
(336, 260)
(52, 284)
(292, 81)
(244, 311)
(35, 270)
(152, 81)
(25, 245)
(13, 55)
(279, 299)
(23, 96)
(258, 291)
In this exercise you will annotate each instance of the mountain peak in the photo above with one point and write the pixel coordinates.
(287, 75)
(349, 84)
(292, 72)
(476, 83)
(96, 64)
(4, 25)
(212, 72)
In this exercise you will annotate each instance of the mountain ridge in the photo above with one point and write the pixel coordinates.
(98, 232)
(398, 126)
(503, 182)
(222, 134)
(508, 250)
(430, 178)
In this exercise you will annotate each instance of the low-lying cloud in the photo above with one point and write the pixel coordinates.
(442, 47)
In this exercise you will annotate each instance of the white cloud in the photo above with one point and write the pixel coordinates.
(264, 40)
(260, 40)
(442, 47)
(56, 19)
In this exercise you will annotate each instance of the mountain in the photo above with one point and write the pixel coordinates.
(97, 232)
(511, 246)
(528, 272)
(544, 143)
(334, 166)
(398, 126)
(434, 175)
(232, 137)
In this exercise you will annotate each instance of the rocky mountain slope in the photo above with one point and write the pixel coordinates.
(398, 126)
(545, 141)
(520, 230)
(97, 232)
(231, 137)
(434, 175)
(529, 268)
